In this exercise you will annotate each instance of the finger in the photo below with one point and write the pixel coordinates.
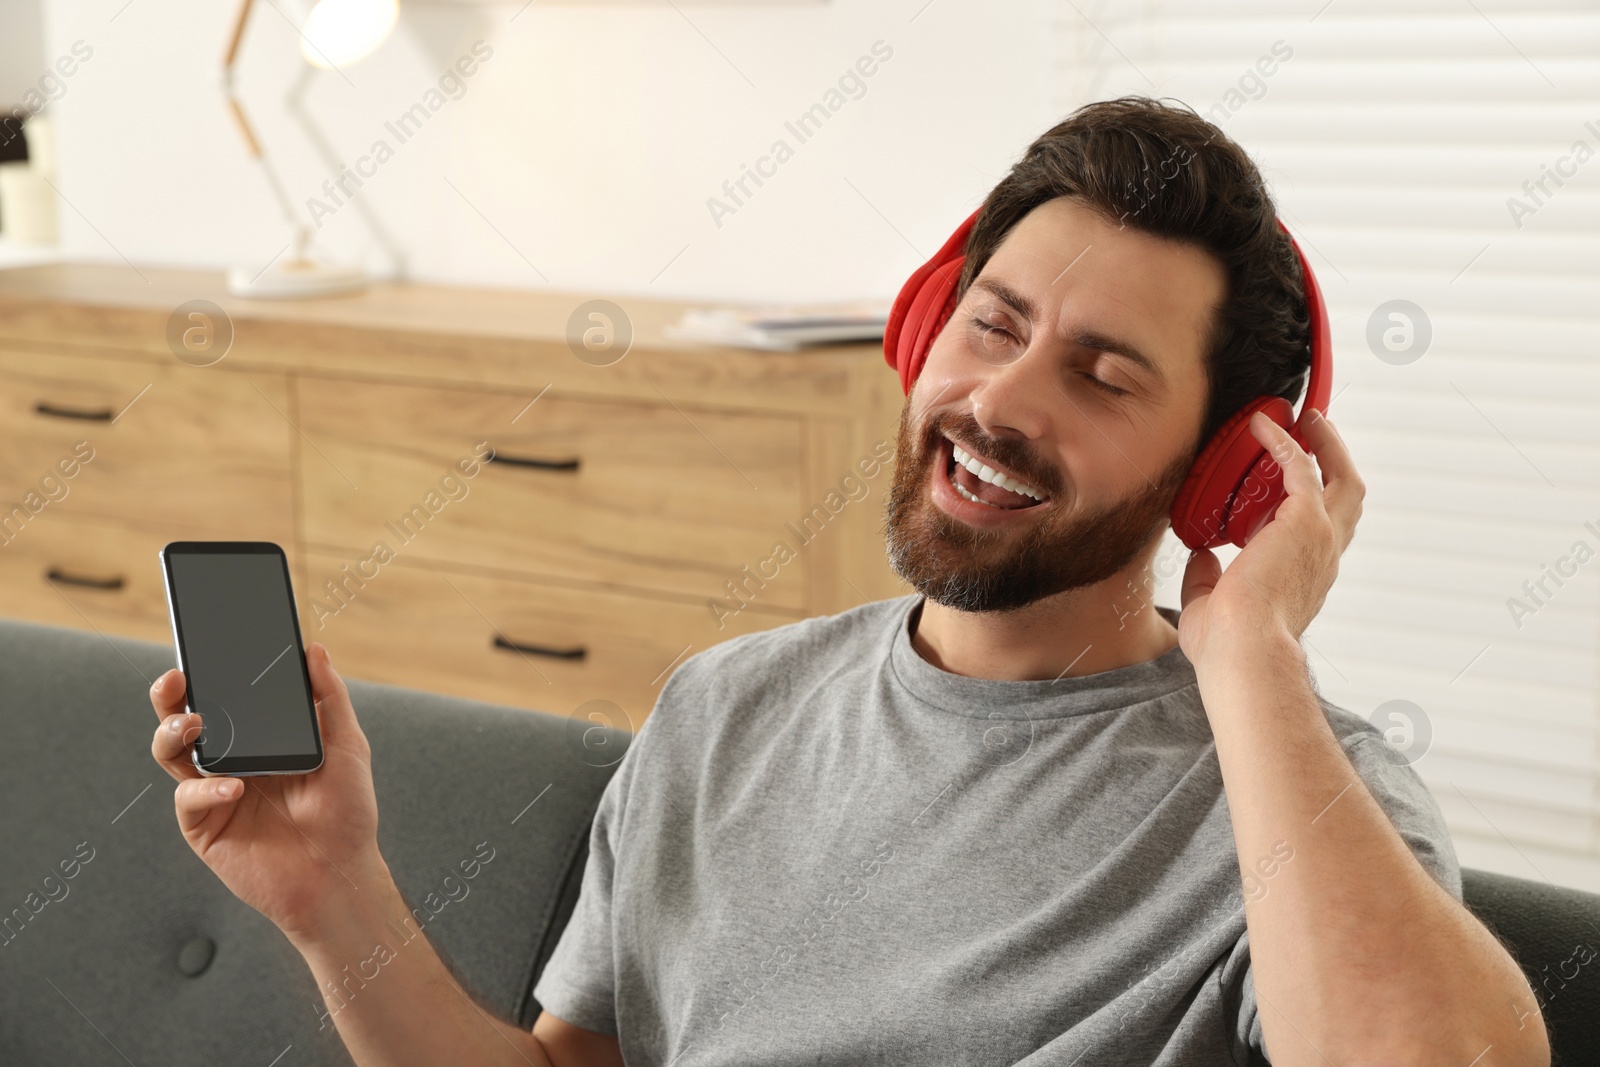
(1343, 488)
(1299, 472)
(173, 742)
(1200, 576)
(167, 694)
(335, 714)
(198, 800)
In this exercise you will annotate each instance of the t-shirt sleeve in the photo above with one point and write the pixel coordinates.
(578, 983)
(1416, 816)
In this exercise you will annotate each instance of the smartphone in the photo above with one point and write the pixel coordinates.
(237, 633)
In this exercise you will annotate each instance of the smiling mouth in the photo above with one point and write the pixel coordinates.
(976, 481)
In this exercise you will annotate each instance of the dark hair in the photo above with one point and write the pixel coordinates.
(1163, 169)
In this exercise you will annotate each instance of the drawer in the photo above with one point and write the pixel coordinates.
(93, 575)
(171, 445)
(506, 640)
(624, 494)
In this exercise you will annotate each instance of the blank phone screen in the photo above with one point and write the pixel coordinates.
(236, 617)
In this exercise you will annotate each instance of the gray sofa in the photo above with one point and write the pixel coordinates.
(142, 956)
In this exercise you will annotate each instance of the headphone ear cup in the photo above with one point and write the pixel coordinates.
(927, 309)
(930, 311)
(1234, 485)
(1256, 502)
(924, 304)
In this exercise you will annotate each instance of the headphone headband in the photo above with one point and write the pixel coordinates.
(1320, 383)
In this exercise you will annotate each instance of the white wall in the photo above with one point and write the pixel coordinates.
(590, 141)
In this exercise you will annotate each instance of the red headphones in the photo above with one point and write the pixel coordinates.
(1233, 488)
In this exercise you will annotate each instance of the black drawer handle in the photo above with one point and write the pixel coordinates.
(541, 650)
(56, 574)
(531, 461)
(44, 407)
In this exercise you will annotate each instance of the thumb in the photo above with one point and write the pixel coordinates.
(1201, 575)
(335, 714)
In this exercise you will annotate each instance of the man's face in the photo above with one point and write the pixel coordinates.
(1021, 379)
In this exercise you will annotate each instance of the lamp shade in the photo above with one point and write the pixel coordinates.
(340, 32)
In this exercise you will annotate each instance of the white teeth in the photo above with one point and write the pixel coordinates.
(970, 497)
(989, 474)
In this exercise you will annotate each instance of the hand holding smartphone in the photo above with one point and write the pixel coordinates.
(241, 724)
(238, 638)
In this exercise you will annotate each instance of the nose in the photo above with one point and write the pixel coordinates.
(1016, 398)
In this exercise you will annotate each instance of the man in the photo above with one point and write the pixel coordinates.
(1021, 816)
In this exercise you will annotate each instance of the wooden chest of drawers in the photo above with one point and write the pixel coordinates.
(468, 506)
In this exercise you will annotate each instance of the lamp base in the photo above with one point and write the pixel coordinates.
(295, 279)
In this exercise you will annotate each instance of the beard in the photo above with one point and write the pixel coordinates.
(977, 569)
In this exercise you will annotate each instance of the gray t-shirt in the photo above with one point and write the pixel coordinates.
(822, 849)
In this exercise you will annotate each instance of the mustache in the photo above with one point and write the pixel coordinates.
(1014, 455)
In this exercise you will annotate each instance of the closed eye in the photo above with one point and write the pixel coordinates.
(1105, 386)
(991, 332)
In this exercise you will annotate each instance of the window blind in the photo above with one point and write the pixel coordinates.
(1444, 154)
